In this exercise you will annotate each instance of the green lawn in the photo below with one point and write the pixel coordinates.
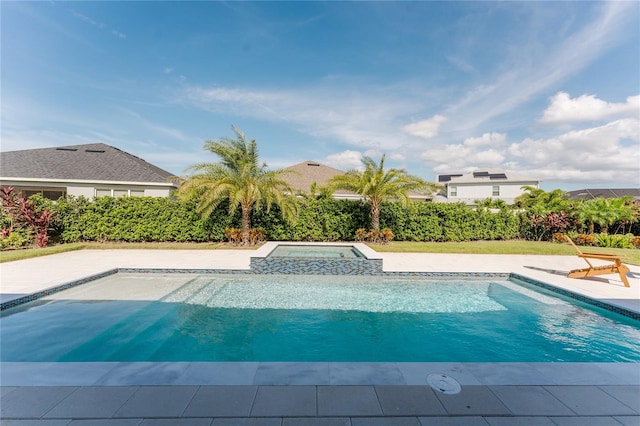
(11, 255)
(630, 256)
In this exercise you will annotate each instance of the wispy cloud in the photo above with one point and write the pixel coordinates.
(85, 18)
(100, 25)
(158, 128)
(540, 70)
(118, 34)
(368, 119)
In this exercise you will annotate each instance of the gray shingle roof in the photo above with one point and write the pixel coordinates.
(96, 161)
(588, 194)
(306, 173)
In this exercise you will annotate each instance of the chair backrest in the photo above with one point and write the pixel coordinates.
(573, 244)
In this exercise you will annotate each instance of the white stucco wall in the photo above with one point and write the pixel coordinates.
(470, 192)
(88, 189)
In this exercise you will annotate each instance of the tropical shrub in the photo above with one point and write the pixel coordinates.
(614, 240)
(233, 235)
(584, 240)
(15, 239)
(22, 215)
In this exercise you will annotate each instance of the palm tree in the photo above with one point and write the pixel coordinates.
(239, 178)
(539, 198)
(376, 185)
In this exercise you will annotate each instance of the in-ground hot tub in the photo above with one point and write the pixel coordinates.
(316, 258)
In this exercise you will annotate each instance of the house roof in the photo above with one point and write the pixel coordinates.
(309, 172)
(94, 162)
(588, 194)
(484, 176)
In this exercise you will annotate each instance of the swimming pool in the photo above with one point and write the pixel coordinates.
(181, 317)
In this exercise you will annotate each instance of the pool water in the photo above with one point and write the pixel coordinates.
(154, 317)
(288, 250)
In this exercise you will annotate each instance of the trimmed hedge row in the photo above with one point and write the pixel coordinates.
(325, 219)
(135, 219)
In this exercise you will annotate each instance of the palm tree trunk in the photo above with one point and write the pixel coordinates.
(246, 223)
(375, 216)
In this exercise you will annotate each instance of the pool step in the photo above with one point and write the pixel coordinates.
(116, 342)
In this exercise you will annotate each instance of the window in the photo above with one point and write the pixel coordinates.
(50, 194)
(496, 191)
(103, 192)
(453, 191)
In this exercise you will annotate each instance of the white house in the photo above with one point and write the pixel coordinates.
(91, 170)
(482, 184)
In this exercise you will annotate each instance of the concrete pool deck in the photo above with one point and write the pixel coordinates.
(316, 393)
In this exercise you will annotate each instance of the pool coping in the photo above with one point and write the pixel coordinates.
(315, 373)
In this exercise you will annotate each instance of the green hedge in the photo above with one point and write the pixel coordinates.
(136, 219)
(163, 219)
(323, 219)
(447, 222)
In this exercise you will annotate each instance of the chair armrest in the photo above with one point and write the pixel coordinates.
(603, 256)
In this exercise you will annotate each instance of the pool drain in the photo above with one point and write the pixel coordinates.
(444, 384)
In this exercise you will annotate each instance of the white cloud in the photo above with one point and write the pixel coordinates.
(425, 129)
(471, 154)
(608, 153)
(564, 109)
(345, 160)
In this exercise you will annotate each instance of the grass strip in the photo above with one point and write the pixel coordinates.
(630, 256)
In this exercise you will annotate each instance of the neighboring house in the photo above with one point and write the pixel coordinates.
(305, 174)
(91, 170)
(589, 194)
(483, 184)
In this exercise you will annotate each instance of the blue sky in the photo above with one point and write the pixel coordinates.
(550, 90)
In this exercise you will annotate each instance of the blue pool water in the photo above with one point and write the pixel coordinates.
(138, 317)
(314, 251)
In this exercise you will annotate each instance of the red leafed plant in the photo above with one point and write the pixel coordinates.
(23, 213)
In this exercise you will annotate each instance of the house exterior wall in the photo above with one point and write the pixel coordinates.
(89, 189)
(470, 192)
